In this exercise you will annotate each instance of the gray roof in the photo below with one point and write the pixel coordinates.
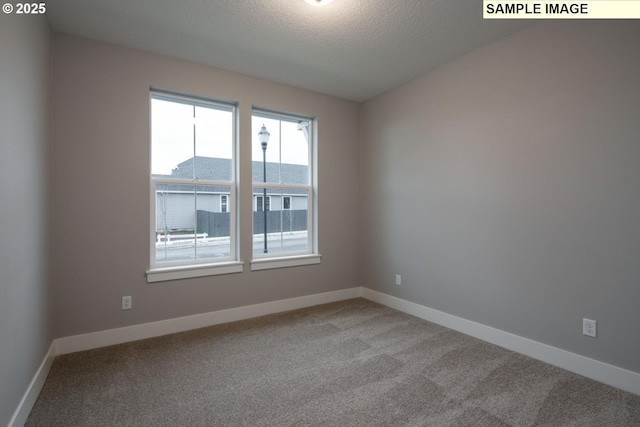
(216, 169)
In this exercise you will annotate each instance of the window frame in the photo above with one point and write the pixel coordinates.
(311, 254)
(174, 270)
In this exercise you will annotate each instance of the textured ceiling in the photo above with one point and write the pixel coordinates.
(353, 49)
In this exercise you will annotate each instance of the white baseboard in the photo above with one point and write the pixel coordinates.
(149, 330)
(31, 395)
(590, 368)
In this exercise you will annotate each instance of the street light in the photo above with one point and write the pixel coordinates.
(263, 136)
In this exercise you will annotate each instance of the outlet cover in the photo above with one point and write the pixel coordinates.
(398, 280)
(589, 328)
(126, 303)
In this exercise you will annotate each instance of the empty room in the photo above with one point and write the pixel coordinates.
(321, 213)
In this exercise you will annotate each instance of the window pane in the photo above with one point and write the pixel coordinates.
(191, 141)
(214, 144)
(287, 151)
(213, 225)
(287, 228)
(294, 146)
(272, 152)
(171, 137)
(189, 224)
(175, 222)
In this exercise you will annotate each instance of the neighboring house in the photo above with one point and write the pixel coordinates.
(174, 206)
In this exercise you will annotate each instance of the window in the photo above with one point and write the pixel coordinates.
(224, 201)
(192, 186)
(259, 203)
(282, 154)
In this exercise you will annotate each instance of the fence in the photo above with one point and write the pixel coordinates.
(217, 224)
(286, 220)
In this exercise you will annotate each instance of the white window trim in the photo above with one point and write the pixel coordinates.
(311, 255)
(205, 267)
(285, 261)
(190, 271)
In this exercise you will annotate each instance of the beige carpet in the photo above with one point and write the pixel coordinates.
(352, 363)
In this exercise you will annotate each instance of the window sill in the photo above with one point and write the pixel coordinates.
(292, 261)
(187, 272)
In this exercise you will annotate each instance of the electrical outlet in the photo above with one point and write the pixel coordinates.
(398, 279)
(589, 328)
(126, 303)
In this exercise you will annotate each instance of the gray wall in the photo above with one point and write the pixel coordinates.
(100, 140)
(505, 187)
(26, 327)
